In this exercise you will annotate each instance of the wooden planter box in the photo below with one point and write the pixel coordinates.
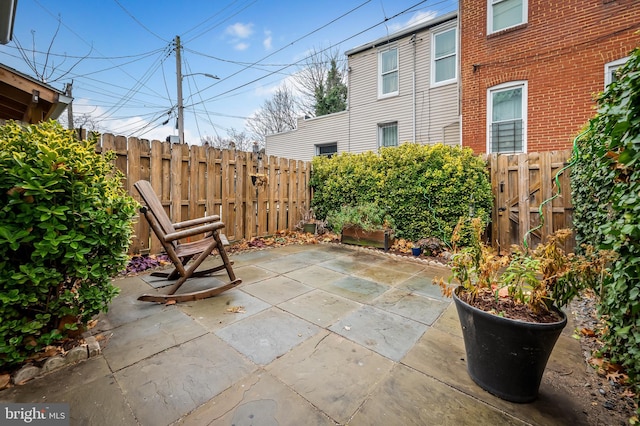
(382, 238)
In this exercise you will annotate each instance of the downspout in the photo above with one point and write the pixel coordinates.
(459, 70)
(413, 82)
(348, 106)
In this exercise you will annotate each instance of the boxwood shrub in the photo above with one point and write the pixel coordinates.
(424, 188)
(65, 226)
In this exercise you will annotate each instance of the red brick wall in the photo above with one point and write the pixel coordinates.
(561, 52)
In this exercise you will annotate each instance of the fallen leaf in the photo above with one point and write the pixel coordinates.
(596, 362)
(4, 380)
(588, 332)
(51, 350)
(91, 324)
(170, 302)
(628, 393)
(236, 309)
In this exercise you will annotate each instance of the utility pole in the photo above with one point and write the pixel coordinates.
(180, 105)
(179, 77)
(67, 92)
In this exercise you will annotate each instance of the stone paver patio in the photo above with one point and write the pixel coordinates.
(327, 334)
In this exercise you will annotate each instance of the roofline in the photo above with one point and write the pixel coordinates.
(403, 33)
(33, 80)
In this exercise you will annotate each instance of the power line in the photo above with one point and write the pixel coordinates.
(139, 23)
(249, 64)
(219, 23)
(305, 58)
(97, 58)
(83, 40)
(140, 82)
(285, 47)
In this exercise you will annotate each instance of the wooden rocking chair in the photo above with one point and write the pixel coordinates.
(180, 254)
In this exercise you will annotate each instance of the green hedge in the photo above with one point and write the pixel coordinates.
(65, 226)
(606, 194)
(424, 188)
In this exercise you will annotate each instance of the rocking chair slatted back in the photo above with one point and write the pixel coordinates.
(155, 207)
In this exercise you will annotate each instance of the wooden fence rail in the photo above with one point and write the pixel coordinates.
(520, 183)
(254, 195)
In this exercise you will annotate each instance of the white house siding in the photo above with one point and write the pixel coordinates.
(437, 114)
(300, 144)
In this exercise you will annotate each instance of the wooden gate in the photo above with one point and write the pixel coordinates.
(520, 184)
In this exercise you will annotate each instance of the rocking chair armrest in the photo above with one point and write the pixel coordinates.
(194, 222)
(193, 231)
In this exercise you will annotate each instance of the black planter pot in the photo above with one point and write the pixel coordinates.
(506, 357)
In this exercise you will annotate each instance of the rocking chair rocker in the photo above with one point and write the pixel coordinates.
(180, 253)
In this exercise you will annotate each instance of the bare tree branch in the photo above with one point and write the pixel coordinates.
(312, 79)
(49, 69)
(277, 115)
(235, 140)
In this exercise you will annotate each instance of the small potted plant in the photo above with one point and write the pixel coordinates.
(509, 307)
(310, 224)
(364, 224)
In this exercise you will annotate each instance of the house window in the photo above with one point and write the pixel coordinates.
(388, 134)
(505, 14)
(610, 70)
(507, 117)
(443, 58)
(327, 150)
(388, 76)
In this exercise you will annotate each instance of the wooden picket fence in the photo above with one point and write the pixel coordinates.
(520, 183)
(254, 195)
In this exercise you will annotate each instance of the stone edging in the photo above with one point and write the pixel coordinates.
(80, 353)
(429, 262)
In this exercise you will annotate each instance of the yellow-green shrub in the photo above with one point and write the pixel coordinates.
(424, 188)
(65, 226)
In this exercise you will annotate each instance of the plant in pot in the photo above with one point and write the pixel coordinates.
(364, 224)
(509, 307)
(309, 223)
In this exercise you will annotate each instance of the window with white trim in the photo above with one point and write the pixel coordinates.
(388, 73)
(388, 134)
(610, 70)
(503, 14)
(507, 118)
(328, 150)
(444, 57)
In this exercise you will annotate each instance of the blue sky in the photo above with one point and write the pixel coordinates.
(119, 53)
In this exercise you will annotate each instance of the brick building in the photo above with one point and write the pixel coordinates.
(530, 68)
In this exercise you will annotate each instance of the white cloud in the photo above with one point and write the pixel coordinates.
(241, 46)
(267, 40)
(417, 18)
(267, 91)
(240, 30)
